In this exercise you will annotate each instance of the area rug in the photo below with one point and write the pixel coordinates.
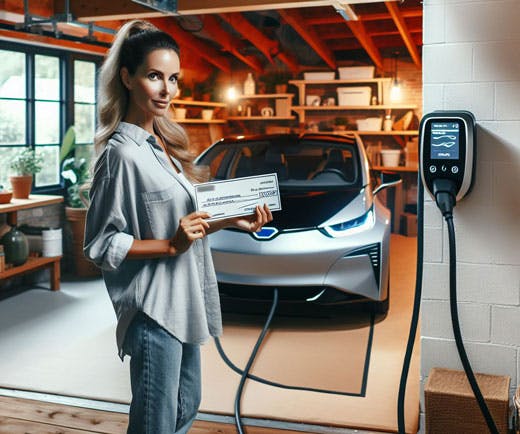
(64, 343)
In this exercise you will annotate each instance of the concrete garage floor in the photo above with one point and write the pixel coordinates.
(60, 348)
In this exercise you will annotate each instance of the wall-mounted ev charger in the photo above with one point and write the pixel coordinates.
(448, 152)
(447, 141)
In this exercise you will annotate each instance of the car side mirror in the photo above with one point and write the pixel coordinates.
(388, 179)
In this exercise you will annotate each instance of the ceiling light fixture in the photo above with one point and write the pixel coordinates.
(346, 11)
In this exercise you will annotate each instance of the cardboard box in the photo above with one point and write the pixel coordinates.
(451, 407)
(325, 75)
(356, 72)
(354, 95)
(282, 107)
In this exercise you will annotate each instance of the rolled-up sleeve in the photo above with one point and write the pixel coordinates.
(107, 240)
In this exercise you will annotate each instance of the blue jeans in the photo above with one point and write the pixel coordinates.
(165, 379)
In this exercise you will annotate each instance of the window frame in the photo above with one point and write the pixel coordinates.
(66, 96)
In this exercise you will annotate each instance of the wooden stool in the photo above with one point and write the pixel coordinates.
(451, 407)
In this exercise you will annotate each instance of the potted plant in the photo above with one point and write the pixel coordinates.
(25, 164)
(5, 195)
(75, 171)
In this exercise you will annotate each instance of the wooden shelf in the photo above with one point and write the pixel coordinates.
(266, 95)
(31, 265)
(396, 168)
(33, 201)
(260, 118)
(384, 133)
(11, 209)
(198, 103)
(200, 121)
(354, 107)
(341, 81)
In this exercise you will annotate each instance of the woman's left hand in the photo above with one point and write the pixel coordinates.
(253, 223)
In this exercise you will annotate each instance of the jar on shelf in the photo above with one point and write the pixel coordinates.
(249, 84)
(388, 123)
(16, 247)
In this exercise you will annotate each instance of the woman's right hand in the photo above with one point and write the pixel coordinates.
(191, 227)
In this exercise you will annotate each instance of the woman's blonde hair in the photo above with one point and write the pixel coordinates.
(133, 42)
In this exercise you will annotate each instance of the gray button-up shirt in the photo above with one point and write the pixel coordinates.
(136, 194)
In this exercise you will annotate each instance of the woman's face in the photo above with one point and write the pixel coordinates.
(154, 83)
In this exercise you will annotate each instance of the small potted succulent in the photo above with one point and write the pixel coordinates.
(25, 165)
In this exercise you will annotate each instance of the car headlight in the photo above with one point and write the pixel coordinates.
(350, 227)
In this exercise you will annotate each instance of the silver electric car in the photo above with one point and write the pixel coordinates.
(328, 244)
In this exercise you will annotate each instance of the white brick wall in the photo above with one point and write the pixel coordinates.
(479, 40)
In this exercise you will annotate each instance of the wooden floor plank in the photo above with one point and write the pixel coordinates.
(18, 426)
(28, 416)
(63, 415)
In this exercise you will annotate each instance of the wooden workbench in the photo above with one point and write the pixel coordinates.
(32, 264)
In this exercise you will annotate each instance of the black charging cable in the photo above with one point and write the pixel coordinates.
(416, 309)
(445, 197)
(245, 373)
(456, 329)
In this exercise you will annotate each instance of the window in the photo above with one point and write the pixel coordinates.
(84, 107)
(42, 92)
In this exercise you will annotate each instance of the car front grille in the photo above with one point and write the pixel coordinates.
(374, 253)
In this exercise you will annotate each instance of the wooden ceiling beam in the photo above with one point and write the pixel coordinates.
(268, 47)
(187, 41)
(381, 42)
(44, 8)
(36, 39)
(406, 13)
(359, 31)
(100, 10)
(229, 42)
(336, 18)
(329, 35)
(295, 19)
(405, 33)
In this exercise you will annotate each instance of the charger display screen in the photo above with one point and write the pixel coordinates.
(444, 142)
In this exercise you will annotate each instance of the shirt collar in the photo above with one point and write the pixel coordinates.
(136, 133)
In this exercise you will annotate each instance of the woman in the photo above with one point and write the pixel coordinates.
(144, 232)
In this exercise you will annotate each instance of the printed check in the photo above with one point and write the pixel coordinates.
(238, 196)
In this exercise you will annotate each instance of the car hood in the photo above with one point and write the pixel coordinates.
(304, 210)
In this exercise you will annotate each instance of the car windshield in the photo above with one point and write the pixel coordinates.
(298, 163)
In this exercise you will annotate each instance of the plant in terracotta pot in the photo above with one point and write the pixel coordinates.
(5, 195)
(75, 171)
(25, 164)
